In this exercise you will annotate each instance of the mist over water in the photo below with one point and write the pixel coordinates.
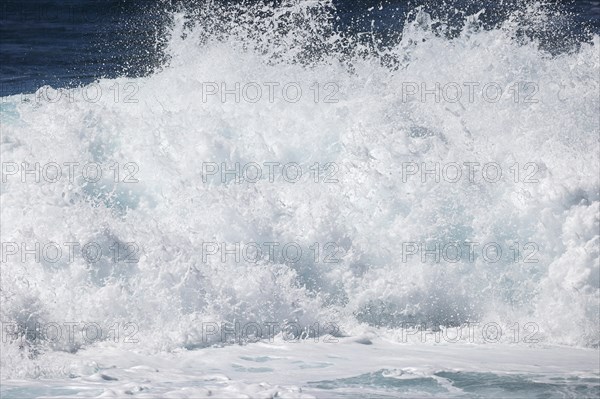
(362, 121)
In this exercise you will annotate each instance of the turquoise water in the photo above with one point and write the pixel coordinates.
(469, 384)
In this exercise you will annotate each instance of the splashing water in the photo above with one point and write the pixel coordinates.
(368, 127)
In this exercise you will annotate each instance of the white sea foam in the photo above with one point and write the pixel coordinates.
(371, 133)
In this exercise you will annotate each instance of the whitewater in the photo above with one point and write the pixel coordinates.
(261, 208)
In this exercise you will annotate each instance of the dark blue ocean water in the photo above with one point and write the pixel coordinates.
(69, 42)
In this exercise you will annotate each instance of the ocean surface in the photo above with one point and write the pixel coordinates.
(300, 199)
(65, 43)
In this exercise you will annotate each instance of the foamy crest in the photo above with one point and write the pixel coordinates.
(371, 133)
